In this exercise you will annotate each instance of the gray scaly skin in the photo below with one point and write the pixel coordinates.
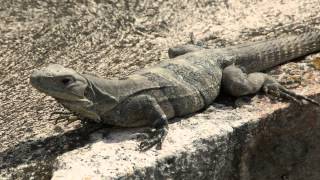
(176, 87)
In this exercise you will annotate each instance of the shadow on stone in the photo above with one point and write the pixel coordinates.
(39, 155)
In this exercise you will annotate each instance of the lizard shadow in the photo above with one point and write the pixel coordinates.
(44, 151)
(47, 149)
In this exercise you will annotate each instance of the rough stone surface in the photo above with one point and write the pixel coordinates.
(258, 140)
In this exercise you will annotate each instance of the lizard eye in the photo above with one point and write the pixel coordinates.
(66, 80)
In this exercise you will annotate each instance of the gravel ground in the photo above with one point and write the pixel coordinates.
(113, 39)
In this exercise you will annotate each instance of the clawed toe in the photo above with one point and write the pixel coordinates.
(63, 116)
(146, 145)
(277, 90)
(157, 137)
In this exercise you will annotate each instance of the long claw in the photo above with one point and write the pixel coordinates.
(71, 119)
(156, 138)
(301, 97)
(288, 96)
(278, 90)
(59, 112)
(64, 116)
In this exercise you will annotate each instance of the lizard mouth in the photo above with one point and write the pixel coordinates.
(84, 101)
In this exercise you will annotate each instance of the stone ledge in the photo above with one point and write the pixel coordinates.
(42, 34)
(257, 141)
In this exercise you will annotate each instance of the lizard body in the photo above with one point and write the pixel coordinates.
(176, 87)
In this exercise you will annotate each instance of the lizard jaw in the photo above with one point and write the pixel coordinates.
(59, 82)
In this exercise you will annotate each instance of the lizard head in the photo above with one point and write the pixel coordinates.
(59, 82)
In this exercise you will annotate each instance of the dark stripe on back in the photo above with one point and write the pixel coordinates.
(202, 79)
(173, 94)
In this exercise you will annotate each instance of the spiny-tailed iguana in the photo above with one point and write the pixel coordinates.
(176, 87)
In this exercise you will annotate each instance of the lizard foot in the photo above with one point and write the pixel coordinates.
(63, 116)
(155, 138)
(277, 90)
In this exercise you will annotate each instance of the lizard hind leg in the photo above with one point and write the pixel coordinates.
(238, 83)
(183, 49)
(192, 46)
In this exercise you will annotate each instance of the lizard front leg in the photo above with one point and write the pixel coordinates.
(145, 110)
(238, 83)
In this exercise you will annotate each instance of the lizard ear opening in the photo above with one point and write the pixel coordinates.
(78, 88)
(74, 84)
